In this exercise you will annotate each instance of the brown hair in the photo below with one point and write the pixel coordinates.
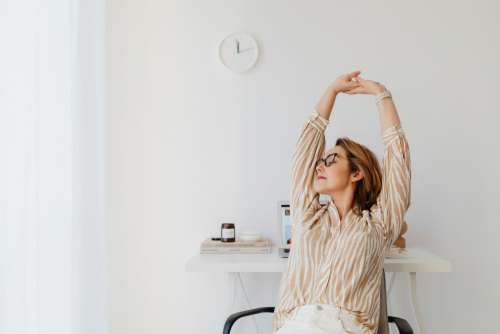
(362, 158)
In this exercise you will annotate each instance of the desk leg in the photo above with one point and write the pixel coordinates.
(235, 281)
(416, 311)
(232, 277)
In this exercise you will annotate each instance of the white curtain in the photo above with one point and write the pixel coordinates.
(53, 252)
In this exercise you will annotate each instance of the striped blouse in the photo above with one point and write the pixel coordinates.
(340, 262)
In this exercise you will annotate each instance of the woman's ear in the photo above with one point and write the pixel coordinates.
(357, 175)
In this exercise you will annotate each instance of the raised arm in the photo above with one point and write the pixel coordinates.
(309, 148)
(304, 201)
(394, 199)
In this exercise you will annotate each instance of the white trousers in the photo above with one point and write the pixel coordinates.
(320, 319)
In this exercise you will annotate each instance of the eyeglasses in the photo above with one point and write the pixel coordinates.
(328, 160)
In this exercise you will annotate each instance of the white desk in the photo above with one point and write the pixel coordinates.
(411, 261)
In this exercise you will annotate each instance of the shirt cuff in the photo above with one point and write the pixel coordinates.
(391, 133)
(318, 121)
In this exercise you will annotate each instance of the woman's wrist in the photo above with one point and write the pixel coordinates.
(333, 90)
(382, 95)
(379, 90)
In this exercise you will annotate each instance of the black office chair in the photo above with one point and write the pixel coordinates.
(383, 328)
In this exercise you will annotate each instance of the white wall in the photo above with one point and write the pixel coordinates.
(192, 144)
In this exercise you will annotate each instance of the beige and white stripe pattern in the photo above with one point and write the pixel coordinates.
(340, 263)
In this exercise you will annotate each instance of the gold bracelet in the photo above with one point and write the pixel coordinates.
(380, 96)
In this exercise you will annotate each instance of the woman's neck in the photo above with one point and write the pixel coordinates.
(343, 203)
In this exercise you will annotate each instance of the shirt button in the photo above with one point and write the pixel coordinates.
(318, 307)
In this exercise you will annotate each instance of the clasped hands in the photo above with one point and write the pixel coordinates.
(352, 83)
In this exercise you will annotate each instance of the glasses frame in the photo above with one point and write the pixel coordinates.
(318, 162)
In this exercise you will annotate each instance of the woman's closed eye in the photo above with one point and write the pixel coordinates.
(332, 158)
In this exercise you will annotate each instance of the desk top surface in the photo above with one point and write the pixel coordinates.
(406, 260)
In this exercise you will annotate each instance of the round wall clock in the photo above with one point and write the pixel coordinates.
(239, 52)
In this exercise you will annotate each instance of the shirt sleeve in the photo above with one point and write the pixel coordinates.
(394, 198)
(308, 149)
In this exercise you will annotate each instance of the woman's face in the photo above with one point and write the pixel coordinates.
(333, 178)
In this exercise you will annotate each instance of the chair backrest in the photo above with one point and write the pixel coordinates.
(383, 324)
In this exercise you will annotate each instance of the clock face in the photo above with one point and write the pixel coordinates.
(239, 52)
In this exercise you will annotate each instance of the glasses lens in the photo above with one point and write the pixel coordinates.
(330, 159)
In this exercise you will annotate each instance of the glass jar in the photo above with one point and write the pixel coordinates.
(227, 232)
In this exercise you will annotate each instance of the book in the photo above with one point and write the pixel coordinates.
(235, 251)
(239, 246)
(238, 243)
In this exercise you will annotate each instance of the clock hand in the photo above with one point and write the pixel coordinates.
(246, 50)
(237, 46)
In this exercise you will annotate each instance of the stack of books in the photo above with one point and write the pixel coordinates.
(261, 246)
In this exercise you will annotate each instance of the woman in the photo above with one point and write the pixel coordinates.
(333, 277)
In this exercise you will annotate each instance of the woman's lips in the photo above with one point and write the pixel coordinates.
(321, 178)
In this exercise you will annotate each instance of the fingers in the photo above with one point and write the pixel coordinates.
(354, 74)
(353, 84)
(352, 91)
